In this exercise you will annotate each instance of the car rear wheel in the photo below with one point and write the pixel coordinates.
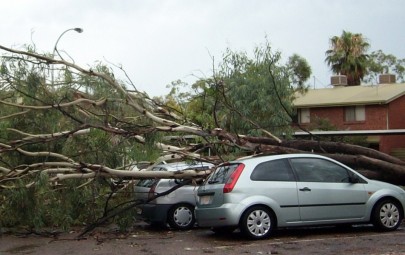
(257, 222)
(181, 216)
(387, 215)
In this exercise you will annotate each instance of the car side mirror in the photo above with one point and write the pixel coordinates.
(354, 179)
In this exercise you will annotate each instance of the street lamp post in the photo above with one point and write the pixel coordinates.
(77, 29)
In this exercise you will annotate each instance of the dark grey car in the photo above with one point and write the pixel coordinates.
(176, 208)
(258, 194)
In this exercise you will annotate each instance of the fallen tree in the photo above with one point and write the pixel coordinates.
(84, 124)
(90, 114)
(372, 163)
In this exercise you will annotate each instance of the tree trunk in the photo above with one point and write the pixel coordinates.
(327, 147)
(372, 163)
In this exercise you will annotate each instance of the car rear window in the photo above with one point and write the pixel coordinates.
(222, 174)
(275, 170)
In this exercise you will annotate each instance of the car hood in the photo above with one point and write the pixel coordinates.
(384, 185)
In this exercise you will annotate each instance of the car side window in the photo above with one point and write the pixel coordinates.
(319, 170)
(275, 170)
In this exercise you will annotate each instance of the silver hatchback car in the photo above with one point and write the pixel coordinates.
(176, 208)
(259, 194)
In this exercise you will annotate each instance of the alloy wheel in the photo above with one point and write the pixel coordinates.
(257, 222)
(389, 215)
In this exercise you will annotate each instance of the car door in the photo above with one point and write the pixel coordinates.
(326, 191)
(275, 180)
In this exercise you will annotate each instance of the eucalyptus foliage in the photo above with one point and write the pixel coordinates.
(45, 206)
(32, 93)
(249, 94)
(382, 63)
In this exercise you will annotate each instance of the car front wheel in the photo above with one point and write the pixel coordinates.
(181, 216)
(387, 215)
(257, 222)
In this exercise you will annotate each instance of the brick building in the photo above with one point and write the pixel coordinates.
(377, 112)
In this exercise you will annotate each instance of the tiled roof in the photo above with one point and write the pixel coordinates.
(350, 95)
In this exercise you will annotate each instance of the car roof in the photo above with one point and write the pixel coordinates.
(178, 166)
(261, 158)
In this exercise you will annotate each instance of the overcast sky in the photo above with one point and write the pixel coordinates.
(159, 41)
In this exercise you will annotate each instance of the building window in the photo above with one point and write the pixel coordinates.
(355, 113)
(304, 116)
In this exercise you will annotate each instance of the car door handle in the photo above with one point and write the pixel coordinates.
(305, 189)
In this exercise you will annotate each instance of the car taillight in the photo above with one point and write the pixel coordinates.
(230, 184)
(151, 192)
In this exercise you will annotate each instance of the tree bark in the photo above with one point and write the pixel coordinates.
(327, 147)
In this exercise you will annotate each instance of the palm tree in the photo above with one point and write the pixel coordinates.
(347, 56)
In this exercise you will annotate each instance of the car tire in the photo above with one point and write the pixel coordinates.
(257, 222)
(387, 215)
(223, 230)
(181, 217)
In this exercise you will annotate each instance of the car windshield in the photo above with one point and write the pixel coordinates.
(222, 174)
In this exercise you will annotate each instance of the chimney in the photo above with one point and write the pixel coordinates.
(386, 78)
(338, 80)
